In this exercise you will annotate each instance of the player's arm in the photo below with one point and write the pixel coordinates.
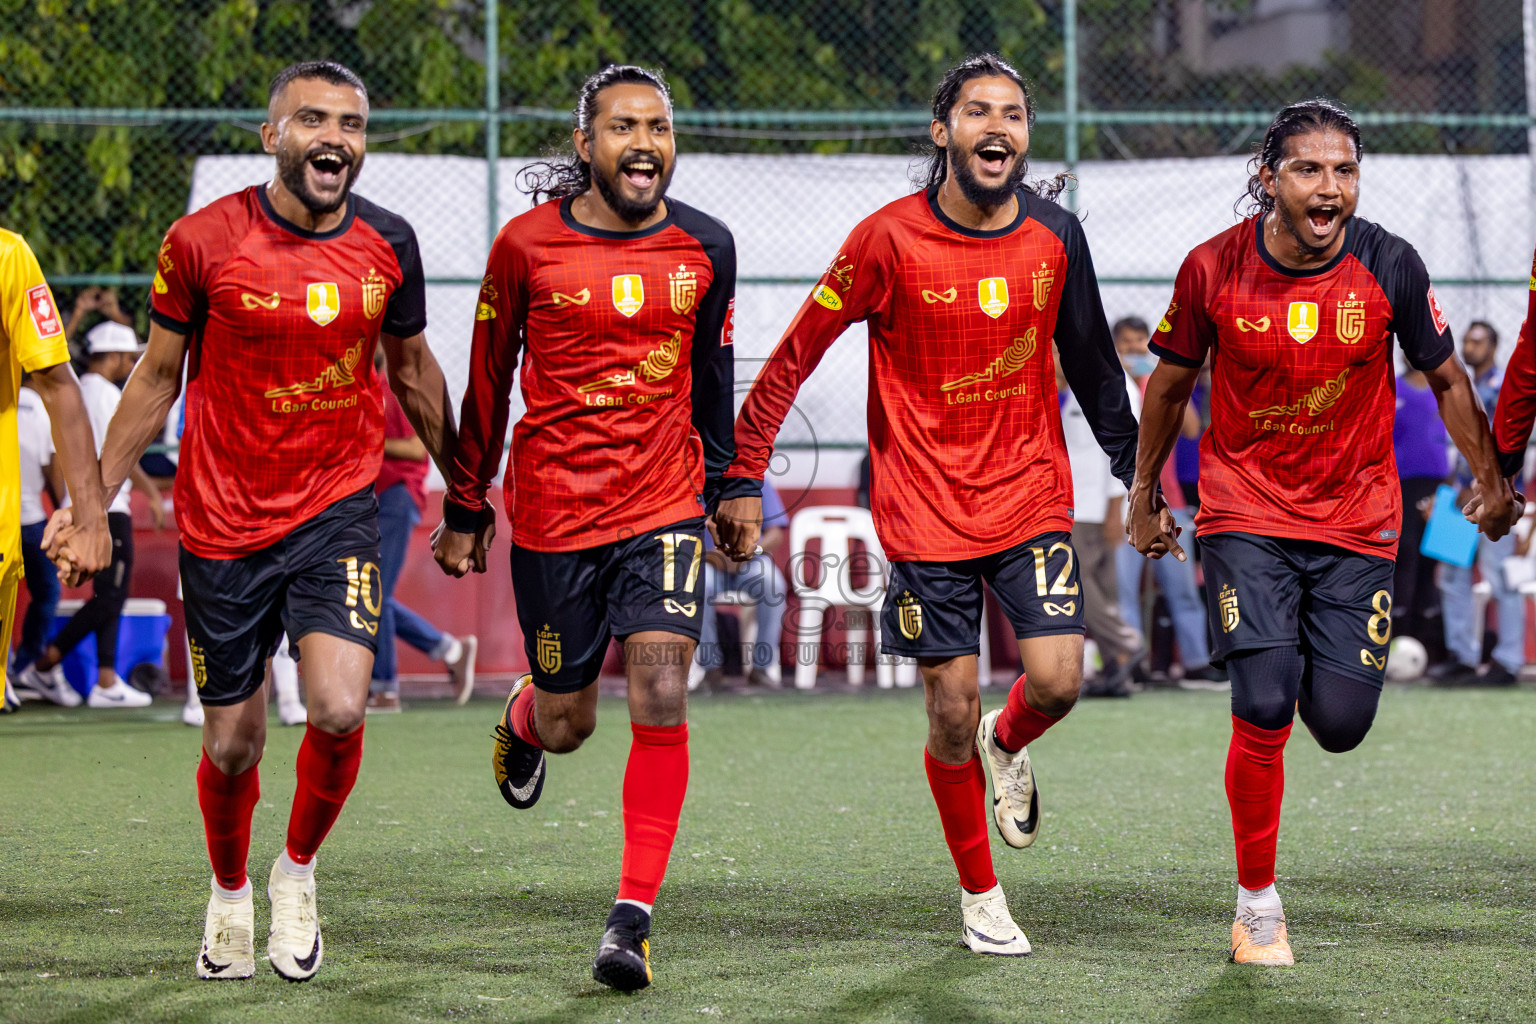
(1516, 411)
(151, 490)
(1427, 345)
(1494, 507)
(418, 382)
(854, 287)
(500, 316)
(83, 550)
(408, 448)
(147, 399)
(1088, 358)
(29, 318)
(1181, 342)
(714, 370)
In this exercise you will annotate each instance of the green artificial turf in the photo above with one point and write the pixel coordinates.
(809, 880)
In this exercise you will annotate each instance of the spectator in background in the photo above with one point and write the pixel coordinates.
(1174, 578)
(1098, 532)
(39, 473)
(760, 579)
(402, 491)
(1479, 349)
(1419, 445)
(102, 301)
(111, 351)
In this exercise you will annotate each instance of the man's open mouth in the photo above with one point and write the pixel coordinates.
(1323, 217)
(994, 156)
(641, 172)
(330, 167)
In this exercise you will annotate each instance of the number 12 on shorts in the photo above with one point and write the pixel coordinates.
(360, 583)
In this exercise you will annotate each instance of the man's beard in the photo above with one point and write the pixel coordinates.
(1301, 243)
(629, 211)
(290, 171)
(982, 195)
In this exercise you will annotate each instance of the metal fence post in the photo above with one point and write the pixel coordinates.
(1069, 91)
(492, 121)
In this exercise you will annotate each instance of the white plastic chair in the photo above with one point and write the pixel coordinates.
(836, 528)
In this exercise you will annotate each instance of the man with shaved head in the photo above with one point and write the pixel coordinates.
(274, 298)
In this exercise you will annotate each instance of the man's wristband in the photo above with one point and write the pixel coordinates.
(461, 519)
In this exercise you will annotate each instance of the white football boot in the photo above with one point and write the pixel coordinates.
(229, 939)
(293, 944)
(988, 927)
(1015, 797)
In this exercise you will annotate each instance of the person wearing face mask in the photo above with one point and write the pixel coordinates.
(1176, 580)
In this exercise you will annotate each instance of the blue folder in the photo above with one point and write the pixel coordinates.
(1448, 537)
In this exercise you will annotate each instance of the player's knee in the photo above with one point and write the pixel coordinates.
(1269, 710)
(233, 755)
(1338, 734)
(338, 717)
(1055, 697)
(567, 730)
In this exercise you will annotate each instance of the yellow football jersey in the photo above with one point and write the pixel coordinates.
(31, 338)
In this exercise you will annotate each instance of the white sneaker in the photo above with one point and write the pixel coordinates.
(118, 695)
(1015, 797)
(293, 944)
(461, 671)
(229, 942)
(291, 712)
(192, 714)
(50, 685)
(989, 928)
(11, 701)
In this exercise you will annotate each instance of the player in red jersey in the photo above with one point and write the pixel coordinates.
(1299, 501)
(1516, 411)
(964, 285)
(617, 302)
(276, 297)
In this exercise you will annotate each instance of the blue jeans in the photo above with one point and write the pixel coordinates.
(1176, 580)
(1456, 607)
(763, 581)
(43, 585)
(398, 517)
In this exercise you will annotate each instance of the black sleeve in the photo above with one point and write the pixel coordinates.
(1417, 319)
(1087, 349)
(713, 363)
(405, 314)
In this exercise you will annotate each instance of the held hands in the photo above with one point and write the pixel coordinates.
(460, 553)
(1497, 513)
(78, 552)
(736, 526)
(1150, 525)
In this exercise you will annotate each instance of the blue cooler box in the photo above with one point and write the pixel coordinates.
(140, 639)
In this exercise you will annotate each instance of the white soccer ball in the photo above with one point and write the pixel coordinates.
(1406, 659)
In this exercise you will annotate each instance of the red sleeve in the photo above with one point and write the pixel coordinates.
(177, 299)
(855, 286)
(1516, 411)
(500, 316)
(1187, 331)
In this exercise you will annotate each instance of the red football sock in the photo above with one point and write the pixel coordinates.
(654, 783)
(327, 768)
(227, 802)
(522, 717)
(1020, 725)
(1255, 786)
(960, 790)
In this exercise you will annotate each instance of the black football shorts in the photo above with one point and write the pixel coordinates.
(1334, 604)
(323, 577)
(933, 609)
(571, 603)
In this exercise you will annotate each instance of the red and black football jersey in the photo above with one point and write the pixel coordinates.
(1516, 410)
(627, 374)
(283, 414)
(1302, 385)
(966, 450)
